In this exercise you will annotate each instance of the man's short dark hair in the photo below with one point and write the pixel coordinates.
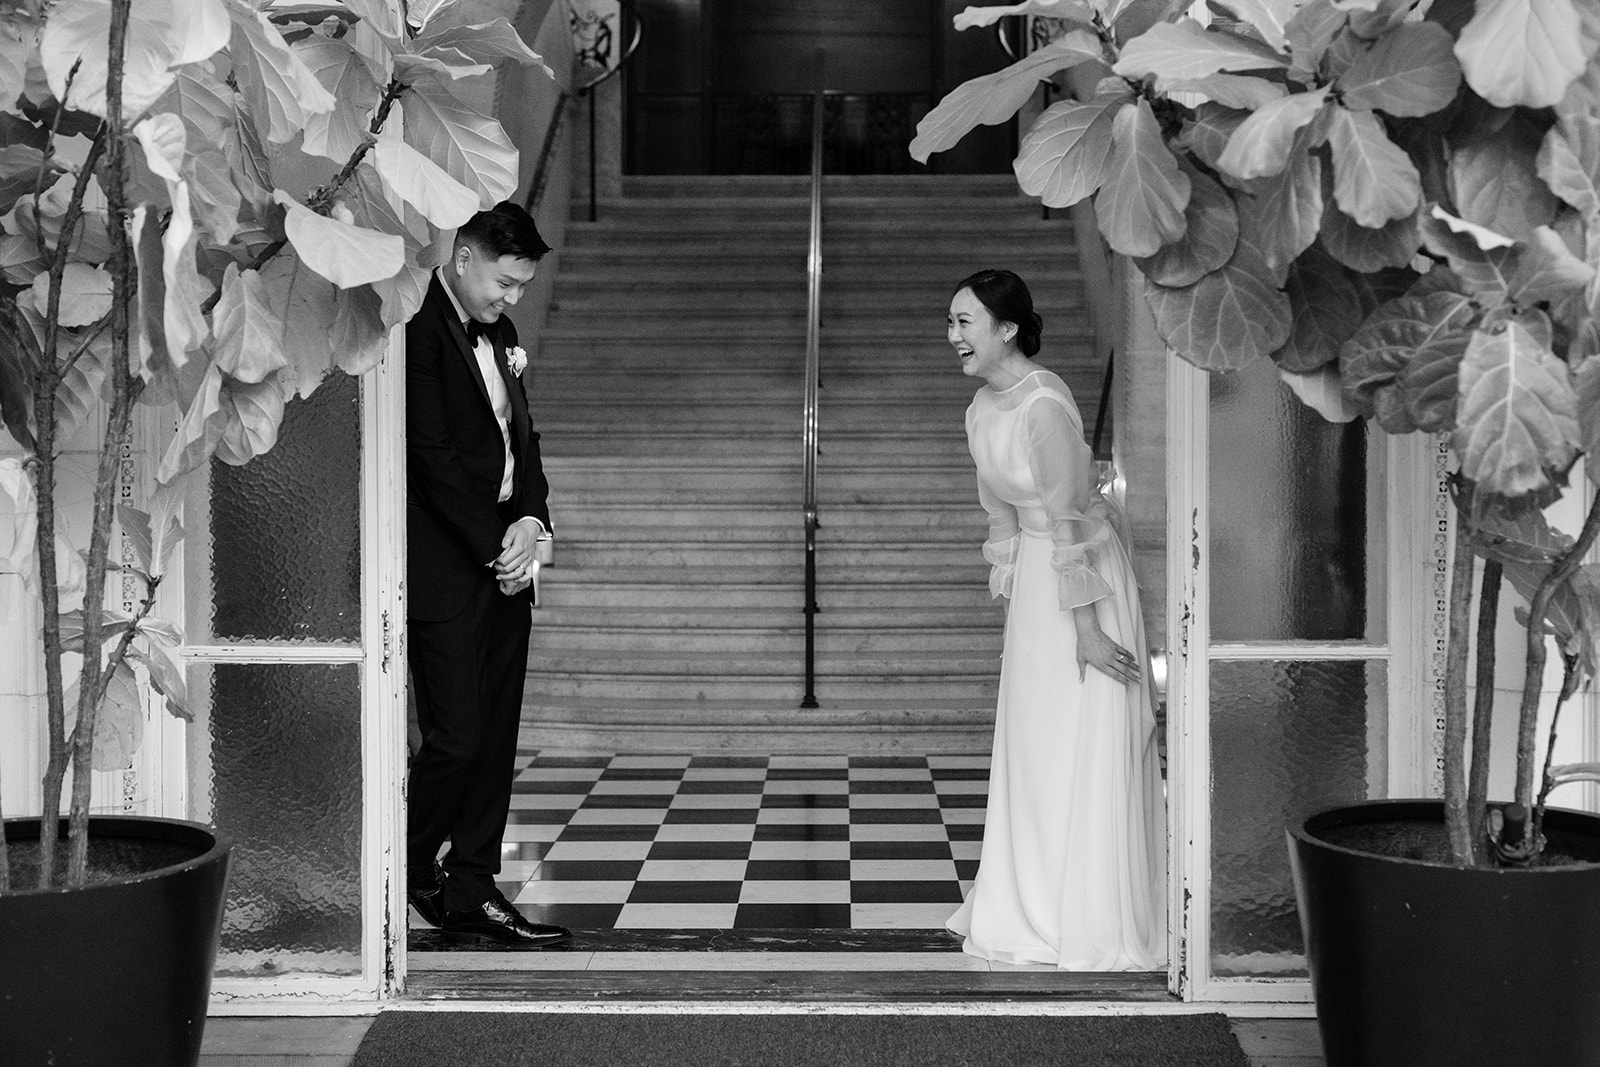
(504, 230)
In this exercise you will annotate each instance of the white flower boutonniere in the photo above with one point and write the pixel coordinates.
(517, 360)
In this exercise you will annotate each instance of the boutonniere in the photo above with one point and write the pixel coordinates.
(516, 360)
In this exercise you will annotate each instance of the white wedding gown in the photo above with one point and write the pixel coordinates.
(1073, 868)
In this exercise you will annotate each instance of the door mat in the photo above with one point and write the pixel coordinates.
(511, 1039)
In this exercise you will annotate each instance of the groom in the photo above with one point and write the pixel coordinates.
(478, 528)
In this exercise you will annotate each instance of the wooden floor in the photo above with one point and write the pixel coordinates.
(233, 1041)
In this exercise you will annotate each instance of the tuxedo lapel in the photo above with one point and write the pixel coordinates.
(457, 333)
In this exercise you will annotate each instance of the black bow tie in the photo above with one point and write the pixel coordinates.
(476, 329)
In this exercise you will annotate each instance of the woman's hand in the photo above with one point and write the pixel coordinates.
(1097, 650)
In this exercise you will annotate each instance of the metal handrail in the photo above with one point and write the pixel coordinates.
(541, 175)
(813, 358)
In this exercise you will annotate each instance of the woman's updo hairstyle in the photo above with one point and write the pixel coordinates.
(1008, 300)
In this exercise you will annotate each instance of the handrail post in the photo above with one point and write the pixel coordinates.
(813, 350)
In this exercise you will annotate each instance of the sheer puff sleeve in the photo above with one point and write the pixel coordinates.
(1063, 473)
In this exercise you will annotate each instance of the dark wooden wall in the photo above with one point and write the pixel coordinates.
(696, 47)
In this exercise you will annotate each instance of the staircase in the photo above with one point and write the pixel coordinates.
(668, 389)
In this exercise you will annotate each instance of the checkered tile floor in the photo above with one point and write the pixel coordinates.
(706, 842)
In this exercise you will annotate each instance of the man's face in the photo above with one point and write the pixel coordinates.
(486, 286)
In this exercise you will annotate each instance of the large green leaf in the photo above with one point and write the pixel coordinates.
(23, 168)
(1207, 132)
(152, 361)
(1312, 29)
(198, 431)
(118, 720)
(82, 388)
(17, 30)
(344, 254)
(1402, 363)
(974, 17)
(1484, 260)
(1518, 413)
(1326, 310)
(1320, 391)
(1364, 249)
(994, 98)
(1231, 90)
(1374, 181)
(1496, 181)
(75, 45)
(470, 147)
(85, 294)
(1409, 71)
(1184, 49)
(338, 133)
(1227, 320)
(1141, 203)
(481, 42)
(1262, 144)
(415, 179)
(248, 330)
(272, 77)
(17, 366)
(1569, 163)
(305, 303)
(1208, 239)
(1269, 17)
(1281, 213)
(1586, 383)
(255, 411)
(1523, 52)
(1067, 153)
(361, 337)
(167, 672)
(1544, 271)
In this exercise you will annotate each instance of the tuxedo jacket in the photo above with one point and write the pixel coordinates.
(455, 459)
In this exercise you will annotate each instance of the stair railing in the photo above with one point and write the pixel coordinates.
(587, 76)
(813, 359)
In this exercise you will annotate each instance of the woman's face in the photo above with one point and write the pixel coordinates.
(978, 339)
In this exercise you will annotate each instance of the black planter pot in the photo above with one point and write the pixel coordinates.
(119, 971)
(1419, 963)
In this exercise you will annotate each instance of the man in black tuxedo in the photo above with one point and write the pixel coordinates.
(478, 528)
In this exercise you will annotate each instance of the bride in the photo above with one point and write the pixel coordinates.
(1073, 869)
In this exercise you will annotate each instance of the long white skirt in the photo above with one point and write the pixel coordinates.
(1073, 868)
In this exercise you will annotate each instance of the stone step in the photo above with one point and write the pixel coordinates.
(842, 621)
(648, 589)
(627, 521)
(553, 679)
(785, 642)
(799, 185)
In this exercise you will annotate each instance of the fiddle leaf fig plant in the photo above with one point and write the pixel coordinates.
(206, 207)
(1397, 202)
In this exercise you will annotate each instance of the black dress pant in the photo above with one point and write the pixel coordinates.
(467, 677)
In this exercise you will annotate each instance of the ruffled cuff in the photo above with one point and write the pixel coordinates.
(1002, 556)
(1080, 583)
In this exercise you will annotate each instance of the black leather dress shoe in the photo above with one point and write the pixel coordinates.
(429, 899)
(496, 921)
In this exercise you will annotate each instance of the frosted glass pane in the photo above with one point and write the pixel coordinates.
(285, 544)
(277, 761)
(1287, 739)
(1290, 540)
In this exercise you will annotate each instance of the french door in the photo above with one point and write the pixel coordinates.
(1304, 624)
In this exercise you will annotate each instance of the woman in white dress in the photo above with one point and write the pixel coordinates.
(1073, 869)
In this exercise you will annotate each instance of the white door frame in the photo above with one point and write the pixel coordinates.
(1407, 770)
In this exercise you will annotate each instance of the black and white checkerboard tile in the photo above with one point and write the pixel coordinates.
(710, 842)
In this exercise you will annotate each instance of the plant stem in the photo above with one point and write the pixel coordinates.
(123, 392)
(1533, 681)
(1456, 817)
(1569, 684)
(1483, 710)
(44, 408)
